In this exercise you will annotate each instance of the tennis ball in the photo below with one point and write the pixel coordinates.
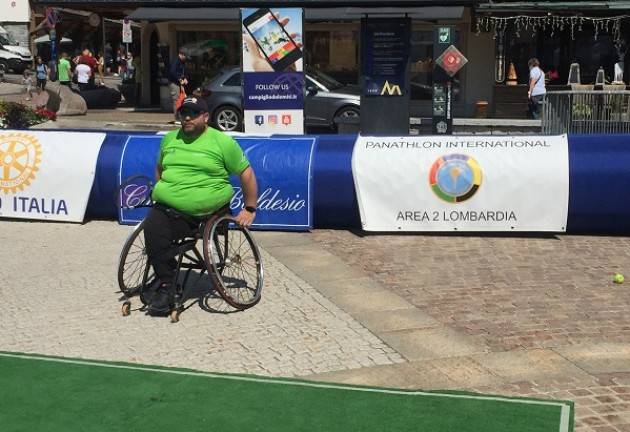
(618, 278)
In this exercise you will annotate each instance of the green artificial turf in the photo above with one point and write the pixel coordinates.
(51, 394)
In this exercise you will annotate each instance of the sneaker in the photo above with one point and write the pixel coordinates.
(162, 301)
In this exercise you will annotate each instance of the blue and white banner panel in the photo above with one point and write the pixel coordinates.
(139, 158)
(283, 168)
(47, 175)
(465, 183)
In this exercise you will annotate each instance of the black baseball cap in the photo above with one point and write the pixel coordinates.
(194, 103)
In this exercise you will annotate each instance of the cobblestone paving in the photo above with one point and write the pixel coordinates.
(58, 294)
(601, 404)
(515, 293)
(510, 292)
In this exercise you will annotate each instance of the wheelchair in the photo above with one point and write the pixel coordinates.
(228, 254)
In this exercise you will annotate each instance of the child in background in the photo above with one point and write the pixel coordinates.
(27, 80)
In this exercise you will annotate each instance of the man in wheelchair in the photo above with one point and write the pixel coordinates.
(192, 172)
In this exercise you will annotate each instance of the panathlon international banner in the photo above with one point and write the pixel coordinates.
(273, 79)
(468, 183)
(47, 175)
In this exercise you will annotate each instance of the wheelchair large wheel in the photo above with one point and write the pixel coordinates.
(233, 261)
(134, 263)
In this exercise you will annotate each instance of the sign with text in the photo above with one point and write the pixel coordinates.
(283, 168)
(468, 183)
(127, 34)
(385, 56)
(47, 175)
(273, 78)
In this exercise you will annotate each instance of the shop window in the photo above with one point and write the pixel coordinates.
(334, 52)
(421, 60)
(557, 50)
(208, 52)
(593, 54)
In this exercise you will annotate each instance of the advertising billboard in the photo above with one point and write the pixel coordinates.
(273, 78)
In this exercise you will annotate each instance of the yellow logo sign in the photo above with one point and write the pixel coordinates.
(19, 161)
(391, 89)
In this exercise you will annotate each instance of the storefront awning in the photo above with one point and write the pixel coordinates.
(554, 5)
(255, 3)
(320, 14)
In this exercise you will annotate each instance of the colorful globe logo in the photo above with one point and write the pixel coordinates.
(455, 178)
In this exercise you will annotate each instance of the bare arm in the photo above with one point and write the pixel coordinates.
(158, 172)
(250, 193)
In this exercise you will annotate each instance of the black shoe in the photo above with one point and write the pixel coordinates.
(162, 301)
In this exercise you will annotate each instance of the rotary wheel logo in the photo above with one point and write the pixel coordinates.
(455, 178)
(19, 161)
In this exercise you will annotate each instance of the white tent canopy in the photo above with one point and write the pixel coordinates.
(46, 39)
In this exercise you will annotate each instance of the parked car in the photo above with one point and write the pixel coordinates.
(325, 98)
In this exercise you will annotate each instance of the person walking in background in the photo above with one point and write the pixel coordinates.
(64, 70)
(100, 65)
(130, 68)
(27, 81)
(537, 88)
(121, 63)
(109, 60)
(42, 74)
(177, 78)
(83, 73)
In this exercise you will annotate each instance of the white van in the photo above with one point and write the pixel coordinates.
(12, 55)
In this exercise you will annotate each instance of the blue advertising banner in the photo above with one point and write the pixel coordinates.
(139, 157)
(385, 55)
(283, 168)
(273, 79)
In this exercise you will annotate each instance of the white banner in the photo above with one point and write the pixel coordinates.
(127, 35)
(18, 11)
(47, 175)
(463, 183)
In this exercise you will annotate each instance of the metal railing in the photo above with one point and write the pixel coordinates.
(586, 112)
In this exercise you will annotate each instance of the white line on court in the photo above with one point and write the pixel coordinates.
(565, 409)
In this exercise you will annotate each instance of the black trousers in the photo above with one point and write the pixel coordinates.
(162, 227)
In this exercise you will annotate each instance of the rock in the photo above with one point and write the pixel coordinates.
(70, 102)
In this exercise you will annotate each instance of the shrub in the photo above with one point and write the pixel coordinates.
(17, 116)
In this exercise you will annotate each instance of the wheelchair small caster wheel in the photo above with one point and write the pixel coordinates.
(126, 309)
(174, 316)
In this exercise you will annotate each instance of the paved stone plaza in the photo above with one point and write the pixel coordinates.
(531, 315)
(534, 315)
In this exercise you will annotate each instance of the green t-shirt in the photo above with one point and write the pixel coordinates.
(64, 70)
(195, 173)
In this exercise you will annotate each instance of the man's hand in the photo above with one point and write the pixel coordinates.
(245, 218)
(250, 193)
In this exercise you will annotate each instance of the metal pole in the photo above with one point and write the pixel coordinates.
(104, 43)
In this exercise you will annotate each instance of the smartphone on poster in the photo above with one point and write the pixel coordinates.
(272, 39)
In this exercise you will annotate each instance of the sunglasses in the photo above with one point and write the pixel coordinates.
(188, 112)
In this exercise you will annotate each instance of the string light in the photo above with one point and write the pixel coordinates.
(498, 25)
